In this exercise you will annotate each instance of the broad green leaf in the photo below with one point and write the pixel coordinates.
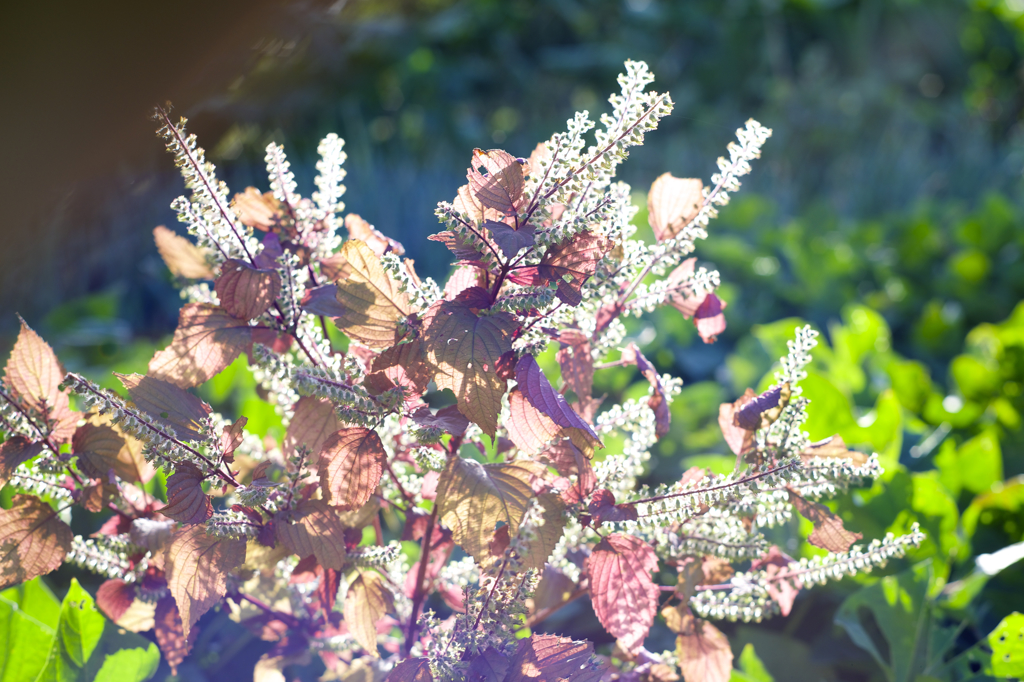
(29, 615)
(902, 613)
(78, 633)
(33, 540)
(911, 382)
(373, 303)
(129, 665)
(751, 668)
(978, 380)
(197, 567)
(473, 499)
(1007, 642)
(464, 350)
(974, 466)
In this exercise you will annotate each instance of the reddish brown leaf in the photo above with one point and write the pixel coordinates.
(404, 365)
(368, 601)
(575, 259)
(183, 258)
(829, 532)
(657, 401)
(474, 297)
(496, 179)
(567, 460)
(603, 508)
(546, 536)
(206, 341)
(527, 426)
(114, 597)
(245, 292)
(740, 440)
(783, 590)
(704, 653)
(95, 496)
(313, 423)
(335, 267)
(709, 319)
(411, 670)
(365, 232)
(672, 203)
(465, 276)
(350, 467)
(186, 501)
(682, 296)
(167, 404)
(625, 598)
(716, 570)
(463, 349)
(538, 391)
(373, 301)
(13, 452)
(101, 449)
(33, 540)
(33, 372)
(262, 211)
(170, 634)
(473, 498)
(197, 567)
(448, 419)
(577, 365)
(833, 447)
(461, 247)
(232, 437)
(313, 528)
(540, 658)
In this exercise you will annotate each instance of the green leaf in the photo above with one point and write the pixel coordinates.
(1007, 642)
(974, 466)
(78, 633)
(751, 668)
(899, 606)
(29, 615)
(129, 665)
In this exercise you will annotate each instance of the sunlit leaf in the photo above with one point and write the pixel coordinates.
(496, 180)
(246, 292)
(368, 601)
(373, 303)
(709, 318)
(170, 633)
(197, 567)
(33, 540)
(206, 341)
(529, 428)
(550, 657)
(350, 465)
(547, 535)
(313, 422)
(182, 257)
(829, 532)
(672, 203)
(102, 445)
(314, 528)
(13, 452)
(34, 374)
(474, 498)
(371, 236)
(167, 404)
(571, 263)
(463, 350)
(411, 670)
(625, 598)
(539, 392)
(186, 501)
(704, 653)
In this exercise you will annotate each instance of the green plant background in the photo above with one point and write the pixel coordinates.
(886, 215)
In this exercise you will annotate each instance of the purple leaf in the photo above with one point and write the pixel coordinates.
(749, 416)
(323, 300)
(509, 239)
(538, 391)
(447, 418)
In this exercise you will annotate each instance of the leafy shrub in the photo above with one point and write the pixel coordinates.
(502, 505)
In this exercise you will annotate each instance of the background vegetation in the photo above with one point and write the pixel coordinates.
(886, 211)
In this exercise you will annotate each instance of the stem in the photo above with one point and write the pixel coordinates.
(405, 494)
(419, 595)
(286, 618)
(494, 586)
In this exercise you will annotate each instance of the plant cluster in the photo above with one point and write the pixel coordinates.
(515, 504)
